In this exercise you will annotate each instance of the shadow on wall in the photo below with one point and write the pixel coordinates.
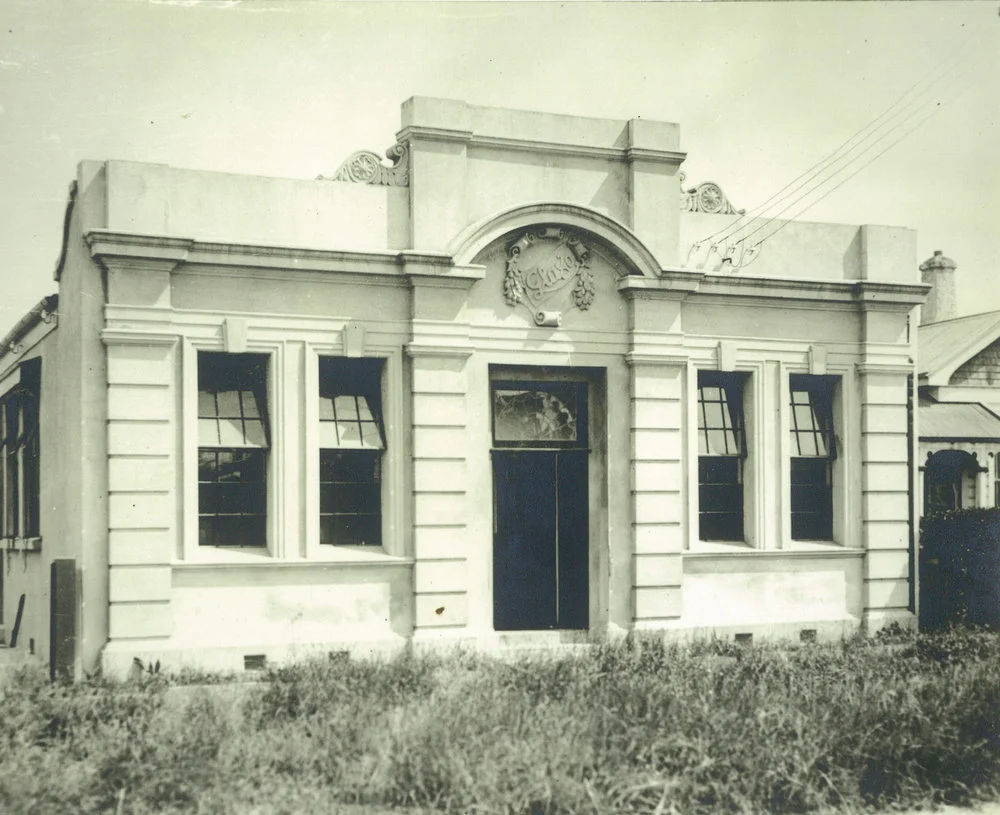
(852, 258)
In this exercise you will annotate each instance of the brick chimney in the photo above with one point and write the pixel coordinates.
(939, 271)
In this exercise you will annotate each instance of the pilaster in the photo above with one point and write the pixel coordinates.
(657, 455)
(885, 510)
(439, 351)
(142, 490)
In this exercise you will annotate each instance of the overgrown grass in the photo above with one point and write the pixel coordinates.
(639, 726)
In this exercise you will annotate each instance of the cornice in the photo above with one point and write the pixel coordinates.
(672, 284)
(119, 336)
(419, 349)
(438, 270)
(485, 142)
(864, 368)
(167, 253)
(634, 358)
(137, 252)
(421, 133)
(904, 296)
(659, 156)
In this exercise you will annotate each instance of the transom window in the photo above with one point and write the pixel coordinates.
(721, 452)
(813, 448)
(535, 414)
(233, 441)
(19, 453)
(351, 440)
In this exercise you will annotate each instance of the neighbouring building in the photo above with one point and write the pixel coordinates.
(959, 411)
(496, 390)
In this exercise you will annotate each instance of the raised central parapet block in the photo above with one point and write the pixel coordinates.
(469, 162)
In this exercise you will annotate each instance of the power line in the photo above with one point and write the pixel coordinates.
(936, 109)
(868, 130)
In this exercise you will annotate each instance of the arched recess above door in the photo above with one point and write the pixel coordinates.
(477, 237)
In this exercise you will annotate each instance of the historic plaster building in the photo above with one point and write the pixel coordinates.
(498, 390)
(959, 409)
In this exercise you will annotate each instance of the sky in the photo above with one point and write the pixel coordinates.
(762, 91)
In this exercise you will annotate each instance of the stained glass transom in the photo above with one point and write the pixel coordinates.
(534, 415)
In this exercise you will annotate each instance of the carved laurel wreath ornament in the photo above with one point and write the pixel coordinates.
(543, 262)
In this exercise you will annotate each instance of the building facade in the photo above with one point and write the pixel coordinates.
(495, 389)
(959, 398)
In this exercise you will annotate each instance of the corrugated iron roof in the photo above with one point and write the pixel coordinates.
(957, 420)
(949, 343)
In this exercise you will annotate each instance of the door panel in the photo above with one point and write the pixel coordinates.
(540, 551)
(524, 551)
(574, 565)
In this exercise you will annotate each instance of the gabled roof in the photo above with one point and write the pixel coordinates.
(965, 421)
(943, 347)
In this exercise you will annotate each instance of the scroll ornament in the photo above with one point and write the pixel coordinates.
(543, 262)
(706, 197)
(366, 167)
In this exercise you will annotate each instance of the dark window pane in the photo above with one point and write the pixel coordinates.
(232, 497)
(350, 497)
(232, 530)
(720, 498)
(812, 499)
(351, 530)
(12, 492)
(721, 526)
(718, 470)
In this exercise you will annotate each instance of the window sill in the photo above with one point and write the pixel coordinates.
(700, 547)
(795, 549)
(21, 544)
(337, 556)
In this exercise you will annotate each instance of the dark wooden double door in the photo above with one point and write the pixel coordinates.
(541, 570)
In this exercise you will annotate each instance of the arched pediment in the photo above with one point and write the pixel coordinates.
(474, 239)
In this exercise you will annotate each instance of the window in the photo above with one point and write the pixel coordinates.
(233, 440)
(813, 450)
(351, 441)
(721, 455)
(19, 454)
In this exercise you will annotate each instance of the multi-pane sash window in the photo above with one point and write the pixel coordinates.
(351, 441)
(813, 450)
(721, 451)
(232, 449)
(19, 454)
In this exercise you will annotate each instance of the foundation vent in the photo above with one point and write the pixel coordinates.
(254, 662)
(743, 639)
(807, 635)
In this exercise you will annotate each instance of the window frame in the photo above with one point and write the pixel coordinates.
(742, 382)
(187, 549)
(20, 515)
(830, 386)
(241, 383)
(373, 392)
(395, 480)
